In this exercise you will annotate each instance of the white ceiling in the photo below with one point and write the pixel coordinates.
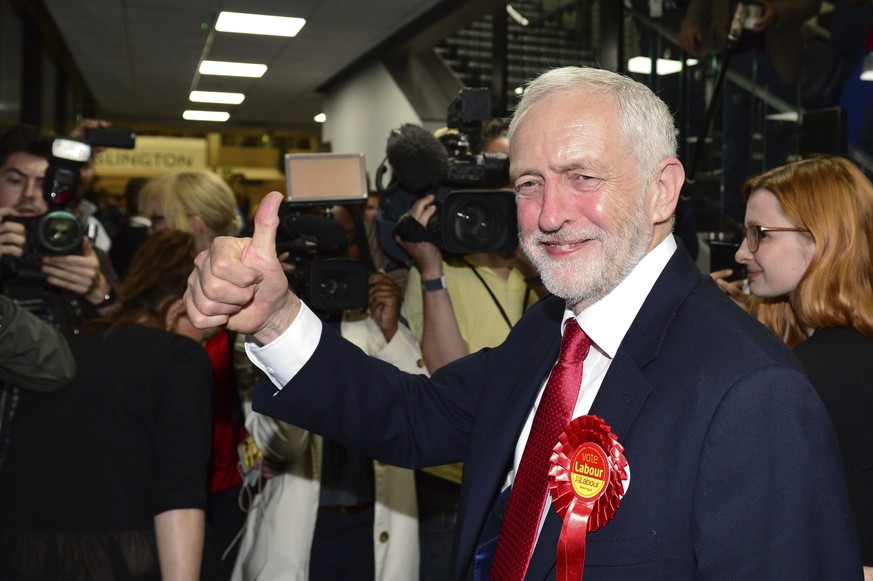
(139, 57)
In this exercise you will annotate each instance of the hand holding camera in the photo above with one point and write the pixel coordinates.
(80, 274)
(412, 235)
(12, 234)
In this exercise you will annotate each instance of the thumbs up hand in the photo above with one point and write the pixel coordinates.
(239, 282)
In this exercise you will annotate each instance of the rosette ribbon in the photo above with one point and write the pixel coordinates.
(585, 482)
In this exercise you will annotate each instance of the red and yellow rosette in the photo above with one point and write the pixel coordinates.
(585, 481)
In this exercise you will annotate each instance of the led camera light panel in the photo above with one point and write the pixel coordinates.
(321, 178)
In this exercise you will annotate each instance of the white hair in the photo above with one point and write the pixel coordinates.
(647, 128)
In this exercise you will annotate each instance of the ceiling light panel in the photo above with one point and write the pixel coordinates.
(243, 23)
(231, 69)
(216, 97)
(191, 115)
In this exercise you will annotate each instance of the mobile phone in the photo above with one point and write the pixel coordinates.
(722, 256)
(121, 137)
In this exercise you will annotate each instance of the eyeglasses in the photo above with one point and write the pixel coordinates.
(754, 232)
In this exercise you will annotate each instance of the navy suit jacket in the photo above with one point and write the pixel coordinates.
(734, 468)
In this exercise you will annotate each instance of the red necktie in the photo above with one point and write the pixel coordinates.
(528, 495)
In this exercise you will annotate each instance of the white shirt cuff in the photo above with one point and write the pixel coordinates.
(283, 357)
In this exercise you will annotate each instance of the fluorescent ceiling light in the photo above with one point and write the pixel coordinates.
(320, 118)
(643, 65)
(258, 24)
(229, 69)
(216, 97)
(191, 115)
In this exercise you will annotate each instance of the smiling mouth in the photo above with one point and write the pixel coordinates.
(564, 247)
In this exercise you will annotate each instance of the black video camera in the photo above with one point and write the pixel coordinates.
(467, 221)
(59, 231)
(472, 216)
(327, 281)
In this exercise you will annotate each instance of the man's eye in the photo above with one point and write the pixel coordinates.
(12, 180)
(528, 188)
(582, 182)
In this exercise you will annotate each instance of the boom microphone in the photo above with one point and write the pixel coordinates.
(419, 161)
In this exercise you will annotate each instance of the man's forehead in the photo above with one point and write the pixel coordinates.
(574, 106)
(25, 163)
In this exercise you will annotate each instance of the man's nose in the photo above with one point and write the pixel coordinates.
(556, 209)
(33, 188)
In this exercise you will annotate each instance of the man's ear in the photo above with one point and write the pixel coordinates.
(667, 187)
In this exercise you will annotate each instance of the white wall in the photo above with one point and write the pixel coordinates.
(362, 112)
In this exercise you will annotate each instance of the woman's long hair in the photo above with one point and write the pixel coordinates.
(833, 199)
(158, 276)
(201, 193)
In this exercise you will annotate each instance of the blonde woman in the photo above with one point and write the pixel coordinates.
(195, 201)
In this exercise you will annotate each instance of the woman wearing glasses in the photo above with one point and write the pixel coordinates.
(809, 253)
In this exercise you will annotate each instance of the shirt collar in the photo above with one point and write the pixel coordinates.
(606, 322)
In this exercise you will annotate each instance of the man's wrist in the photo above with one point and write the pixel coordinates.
(278, 322)
(433, 284)
(102, 298)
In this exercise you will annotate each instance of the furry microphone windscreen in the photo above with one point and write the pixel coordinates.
(419, 161)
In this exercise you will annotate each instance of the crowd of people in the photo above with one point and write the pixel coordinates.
(172, 408)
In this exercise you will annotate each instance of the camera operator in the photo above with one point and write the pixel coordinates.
(456, 307)
(319, 499)
(76, 286)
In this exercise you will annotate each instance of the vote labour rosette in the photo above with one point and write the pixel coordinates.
(585, 481)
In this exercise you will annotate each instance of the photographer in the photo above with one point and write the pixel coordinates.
(75, 287)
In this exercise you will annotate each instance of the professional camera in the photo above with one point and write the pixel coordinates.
(470, 216)
(59, 230)
(467, 221)
(322, 277)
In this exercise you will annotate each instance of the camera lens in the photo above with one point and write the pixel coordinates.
(59, 232)
(475, 223)
(332, 286)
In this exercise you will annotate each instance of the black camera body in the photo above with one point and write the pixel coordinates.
(466, 221)
(322, 277)
(472, 215)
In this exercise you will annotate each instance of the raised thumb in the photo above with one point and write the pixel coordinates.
(266, 225)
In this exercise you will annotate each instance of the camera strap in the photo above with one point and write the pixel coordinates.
(491, 293)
